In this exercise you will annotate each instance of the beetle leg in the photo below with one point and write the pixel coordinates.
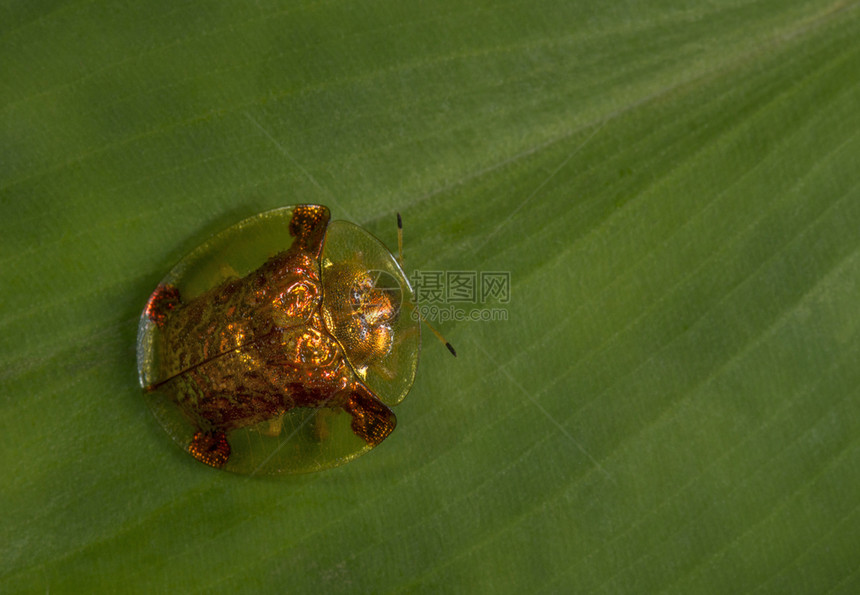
(211, 448)
(319, 429)
(228, 273)
(274, 425)
(371, 419)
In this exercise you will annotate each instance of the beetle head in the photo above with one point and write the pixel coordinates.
(360, 309)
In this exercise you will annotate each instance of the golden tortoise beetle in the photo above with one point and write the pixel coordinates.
(257, 359)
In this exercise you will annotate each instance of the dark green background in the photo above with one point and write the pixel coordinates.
(672, 403)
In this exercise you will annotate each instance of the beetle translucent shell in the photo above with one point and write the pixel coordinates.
(280, 344)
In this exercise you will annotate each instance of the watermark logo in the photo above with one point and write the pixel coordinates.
(462, 295)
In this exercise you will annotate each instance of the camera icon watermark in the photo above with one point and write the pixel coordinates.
(463, 296)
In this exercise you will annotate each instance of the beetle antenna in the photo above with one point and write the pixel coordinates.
(438, 335)
(399, 240)
(417, 311)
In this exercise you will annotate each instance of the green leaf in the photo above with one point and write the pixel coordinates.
(670, 400)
